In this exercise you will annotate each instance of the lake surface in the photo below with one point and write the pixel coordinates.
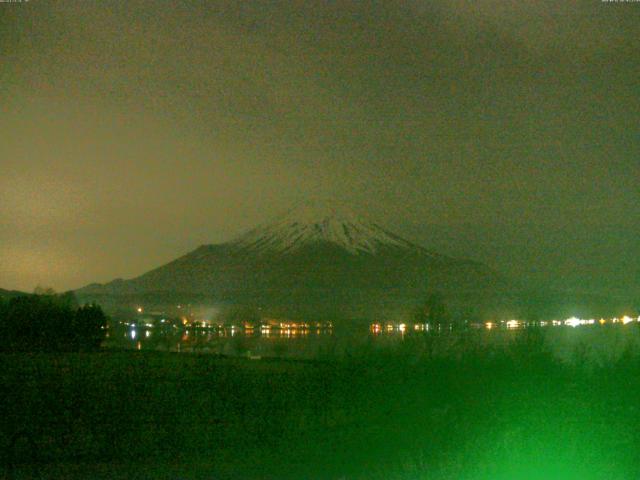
(599, 343)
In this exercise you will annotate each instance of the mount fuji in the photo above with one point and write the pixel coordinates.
(320, 223)
(318, 260)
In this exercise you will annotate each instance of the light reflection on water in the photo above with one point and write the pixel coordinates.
(603, 338)
(232, 341)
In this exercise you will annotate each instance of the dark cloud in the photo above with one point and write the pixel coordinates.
(134, 131)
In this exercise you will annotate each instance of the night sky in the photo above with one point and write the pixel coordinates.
(504, 131)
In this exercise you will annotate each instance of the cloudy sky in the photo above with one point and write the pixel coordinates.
(505, 131)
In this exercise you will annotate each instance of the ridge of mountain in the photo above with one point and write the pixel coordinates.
(11, 293)
(314, 260)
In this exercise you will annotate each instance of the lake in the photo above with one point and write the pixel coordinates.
(587, 342)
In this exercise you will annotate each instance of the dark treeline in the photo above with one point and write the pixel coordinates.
(50, 322)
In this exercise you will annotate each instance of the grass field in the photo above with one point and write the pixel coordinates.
(509, 412)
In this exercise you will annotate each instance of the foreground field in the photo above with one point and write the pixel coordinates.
(510, 412)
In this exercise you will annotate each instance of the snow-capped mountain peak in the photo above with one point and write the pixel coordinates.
(320, 222)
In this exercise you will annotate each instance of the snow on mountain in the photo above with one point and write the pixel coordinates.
(320, 222)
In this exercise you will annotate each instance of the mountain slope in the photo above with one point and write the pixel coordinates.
(313, 261)
(324, 222)
(7, 294)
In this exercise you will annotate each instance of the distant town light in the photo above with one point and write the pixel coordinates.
(573, 322)
(513, 324)
(139, 309)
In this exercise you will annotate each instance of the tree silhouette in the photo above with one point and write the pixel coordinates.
(50, 322)
(89, 324)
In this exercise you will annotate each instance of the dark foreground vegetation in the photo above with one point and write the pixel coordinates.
(502, 413)
(50, 322)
